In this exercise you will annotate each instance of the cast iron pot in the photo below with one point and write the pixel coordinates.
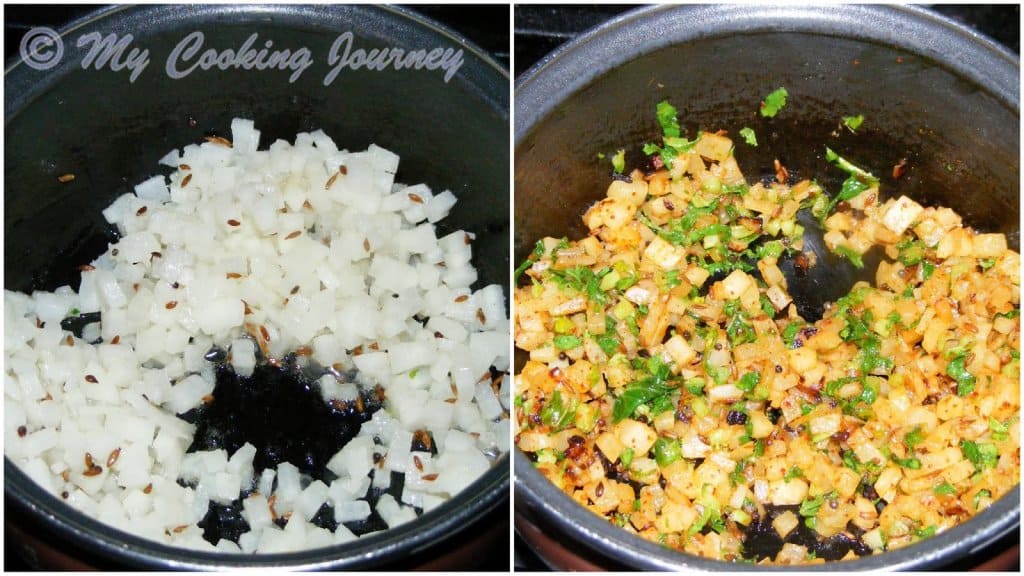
(932, 92)
(111, 132)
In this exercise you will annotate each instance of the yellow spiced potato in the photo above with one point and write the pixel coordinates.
(673, 388)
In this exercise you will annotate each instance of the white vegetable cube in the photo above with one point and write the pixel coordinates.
(662, 253)
(900, 214)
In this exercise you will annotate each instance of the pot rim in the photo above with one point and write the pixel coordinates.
(476, 501)
(576, 64)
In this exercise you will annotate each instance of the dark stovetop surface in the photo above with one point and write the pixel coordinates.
(486, 26)
(541, 29)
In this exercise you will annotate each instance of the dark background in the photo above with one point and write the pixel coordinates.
(485, 26)
(541, 29)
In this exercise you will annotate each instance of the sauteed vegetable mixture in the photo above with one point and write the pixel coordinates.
(673, 388)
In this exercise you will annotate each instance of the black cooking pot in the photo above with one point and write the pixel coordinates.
(931, 92)
(110, 131)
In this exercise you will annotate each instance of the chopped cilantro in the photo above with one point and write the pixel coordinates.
(567, 342)
(609, 344)
(913, 438)
(981, 494)
(853, 122)
(626, 457)
(926, 532)
(748, 381)
(964, 380)
(556, 414)
(667, 118)
(619, 161)
(850, 255)
(981, 455)
(793, 472)
(911, 463)
(944, 489)
(809, 508)
(667, 451)
(1000, 430)
(748, 136)
(774, 102)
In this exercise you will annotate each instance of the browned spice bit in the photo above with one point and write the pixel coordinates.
(339, 405)
(303, 351)
(378, 458)
(781, 174)
(293, 235)
(415, 198)
(64, 494)
(451, 400)
(438, 335)
(366, 245)
(233, 275)
(155, 255)
(423, 437)
(65, 475)
(338, 366)
(141, 211)
(233, 222)
(307, 205)
(148, 488)
(466, 239)
(358, 350)
(343, 169)
(417, 462)
(115, 252)
(270, 504)
(247, 309)
(186, 179)
(116, 339)
(282, 210)
(135, 287)
(86, 267)
(264, 333)
(330, 181)
(480, 316)
(65, 178)
(171, 305)
(462, 298)
(91, 379)
(89, 463)
(899, 168)
(180, 529)
(22, 431)
(599, 491)
(374, 346)
(184, 167)
(208, 399)
(192, 122)
(47, 398)
(114, 455)
(69, 340)
(219, 140)
(378, 392)
(455, 391)
(295, 289)
(39, 323)
(429, 477)
(801, 263)
(360, 406)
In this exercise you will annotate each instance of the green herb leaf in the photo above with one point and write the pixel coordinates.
(944, 489)
(774, 102)
(619, 161)
(667, 451)
(853, 122)
(667, 118)
(626, 457)
(850, 255)
(848, 167)
(911, 463)
(926, 532)
(609, 344)
(556, 414)
(983, 456)
(748, 381)
(964, 380)
(981, 494)
(913, 438)
(793, 472)
(748, 136)
(567, 342)
(809, 508)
